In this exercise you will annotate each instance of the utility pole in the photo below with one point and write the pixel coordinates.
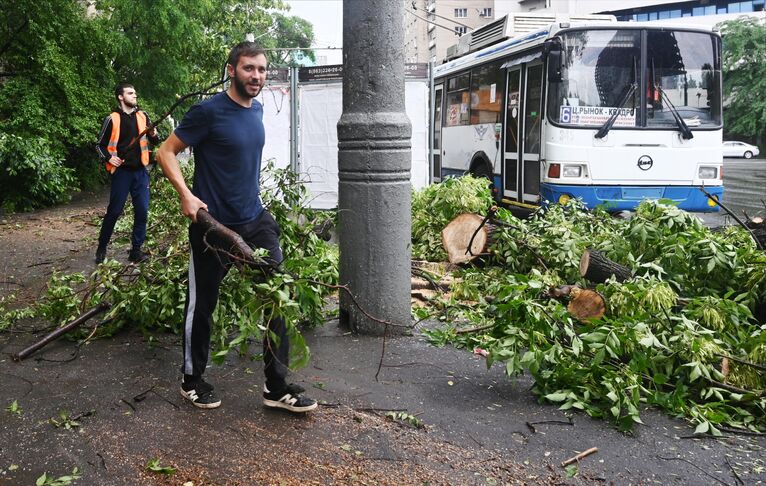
(374, 161)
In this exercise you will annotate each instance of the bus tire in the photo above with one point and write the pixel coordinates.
(480, 168)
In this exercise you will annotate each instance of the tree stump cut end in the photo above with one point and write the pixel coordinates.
(457, 235)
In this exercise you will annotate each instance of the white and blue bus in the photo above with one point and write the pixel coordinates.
(609, 112)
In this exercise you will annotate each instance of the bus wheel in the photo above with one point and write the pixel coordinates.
(482, 170)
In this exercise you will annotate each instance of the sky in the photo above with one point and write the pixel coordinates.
(327, 18)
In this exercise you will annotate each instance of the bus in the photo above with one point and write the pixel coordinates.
(609, 112)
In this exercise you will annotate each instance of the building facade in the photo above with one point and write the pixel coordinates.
(432, 26)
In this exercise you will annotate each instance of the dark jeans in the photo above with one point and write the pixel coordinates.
(124, 182)
(207, 269)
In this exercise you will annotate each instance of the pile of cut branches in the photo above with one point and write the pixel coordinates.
(151, 296)
(674, 327)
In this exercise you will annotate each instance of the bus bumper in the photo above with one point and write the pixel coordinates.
(620, 198)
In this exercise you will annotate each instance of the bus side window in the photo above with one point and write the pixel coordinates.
(487, 88)
(458, 101)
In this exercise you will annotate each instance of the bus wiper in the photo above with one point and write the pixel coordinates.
(601, 133)
(686, 132)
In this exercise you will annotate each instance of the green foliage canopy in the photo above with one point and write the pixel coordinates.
(60, 59)
(744, 76)
(54, 92)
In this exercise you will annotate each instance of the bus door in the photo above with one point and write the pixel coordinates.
(513, 115)
(436, 134)
(530, 166)
(521, 167)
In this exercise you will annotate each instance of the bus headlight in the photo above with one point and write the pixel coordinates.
(573, 170)
(706, 172)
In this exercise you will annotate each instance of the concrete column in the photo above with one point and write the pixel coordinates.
(374, 160)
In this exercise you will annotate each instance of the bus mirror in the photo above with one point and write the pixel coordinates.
(554, 66)
(551, 45)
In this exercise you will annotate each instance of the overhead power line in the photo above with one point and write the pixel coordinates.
(415, 7)
(432, 22)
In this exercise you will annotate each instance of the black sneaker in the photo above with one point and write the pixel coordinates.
(136, 255)
(200, 394)
(100, 255)
(289, 398)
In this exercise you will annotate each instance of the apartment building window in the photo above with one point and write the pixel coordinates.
(735, 7)
(461, 13)
(460, 30)
(708, 10)
(486, 12)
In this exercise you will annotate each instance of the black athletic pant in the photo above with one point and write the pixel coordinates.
(207, 269)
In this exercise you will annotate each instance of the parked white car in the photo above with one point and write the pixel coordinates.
(739, 149)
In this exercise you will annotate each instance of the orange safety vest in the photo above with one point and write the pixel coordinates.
(143, 142)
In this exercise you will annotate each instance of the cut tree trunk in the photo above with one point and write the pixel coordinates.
(757, 228)
(458, 235)
(583, 304)
(597, 268)
(586, 304)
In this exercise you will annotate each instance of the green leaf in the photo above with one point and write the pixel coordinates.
(696, 373)
(154, 465)
(702, 428)
(557, 397)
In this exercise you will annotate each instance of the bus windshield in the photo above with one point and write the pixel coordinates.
(679, 72)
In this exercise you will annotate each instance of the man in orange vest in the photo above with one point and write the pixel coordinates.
(128, 169)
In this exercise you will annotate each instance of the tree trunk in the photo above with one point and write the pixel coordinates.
(586, 304)
(597, 268)
(757, 228)
(467, 229)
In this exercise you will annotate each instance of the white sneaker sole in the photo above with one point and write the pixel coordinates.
(285, 406)
(200, 405)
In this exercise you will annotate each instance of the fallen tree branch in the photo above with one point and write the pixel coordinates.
(736, 218)
(228, 241)
(742, 432)
(744, 362)
(474, 329)
(103, 306)
(531, 425)
(579, 456)
(735, 389)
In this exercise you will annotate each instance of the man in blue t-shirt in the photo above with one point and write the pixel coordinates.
(227, 134)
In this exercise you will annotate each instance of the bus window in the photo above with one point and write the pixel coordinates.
(680, 64)
(599, 68)
(487, 88)
(437, 134)
(532, 113)
(437, 119)
(458, 101)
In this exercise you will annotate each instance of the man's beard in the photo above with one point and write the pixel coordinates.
(241, 88)
(129, 104)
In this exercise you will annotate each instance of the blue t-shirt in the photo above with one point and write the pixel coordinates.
(228, 142)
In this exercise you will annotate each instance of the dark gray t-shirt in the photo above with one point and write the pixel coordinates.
(228, 143)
